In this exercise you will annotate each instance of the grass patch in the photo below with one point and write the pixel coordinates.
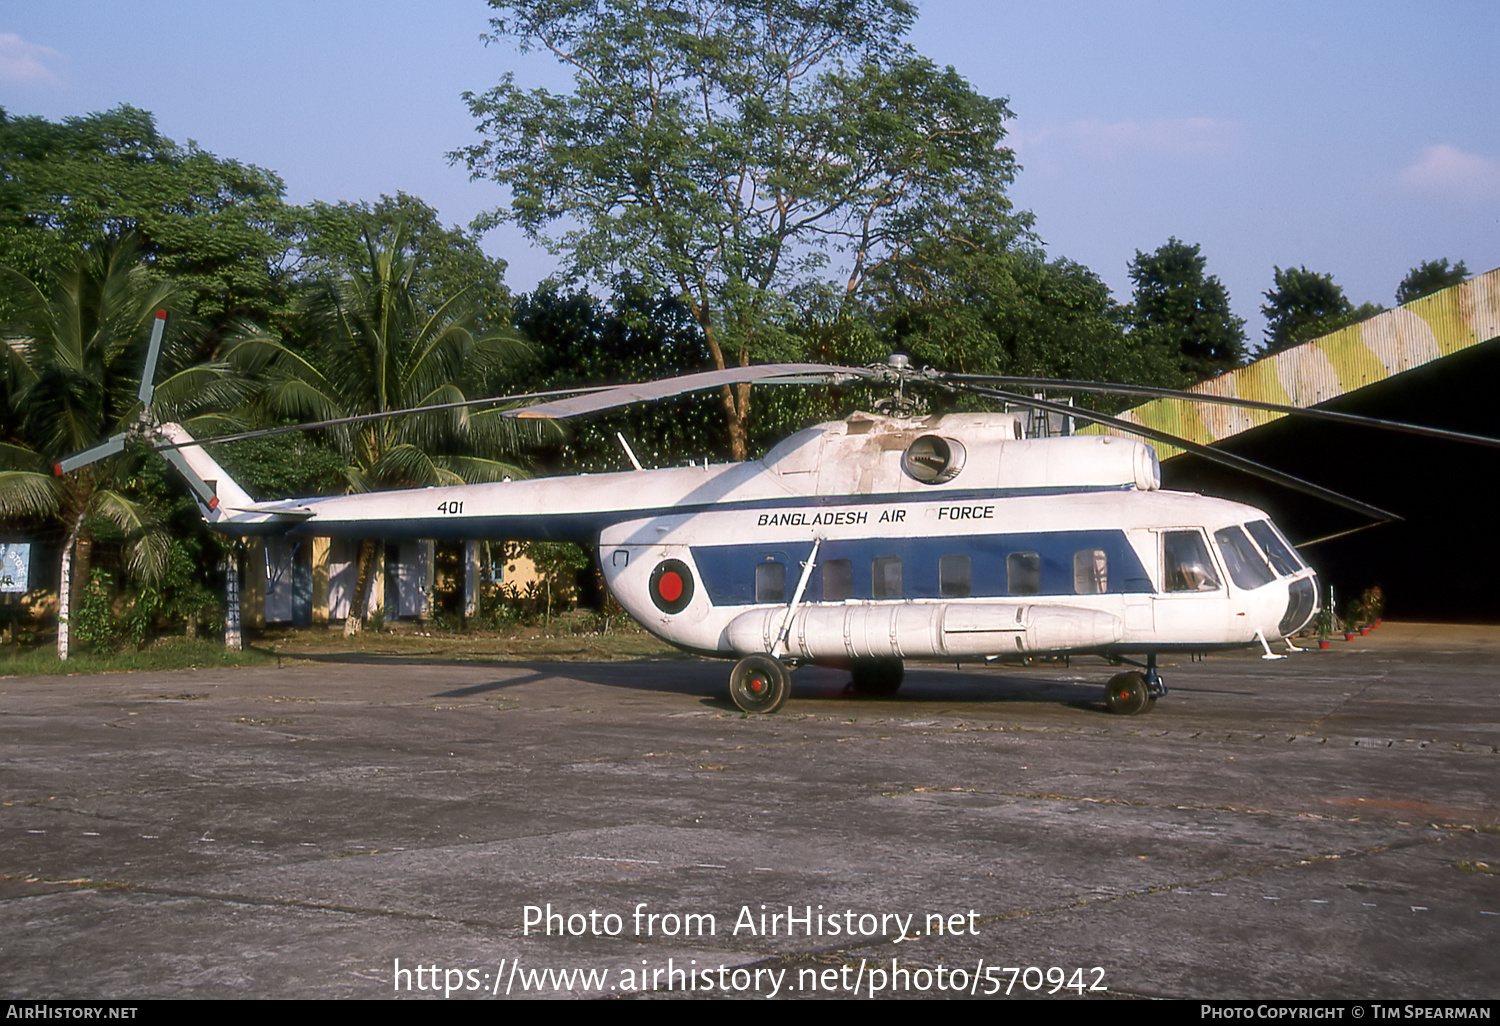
(161, 654)
(568, 638)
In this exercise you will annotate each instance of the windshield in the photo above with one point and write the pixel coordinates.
(1246, 569)
(1275, 547)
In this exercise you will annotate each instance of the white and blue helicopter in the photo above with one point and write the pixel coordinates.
(870, 541)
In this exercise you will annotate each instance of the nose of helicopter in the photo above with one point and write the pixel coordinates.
(1301, 604)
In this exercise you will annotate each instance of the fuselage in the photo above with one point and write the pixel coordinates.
(879, 537)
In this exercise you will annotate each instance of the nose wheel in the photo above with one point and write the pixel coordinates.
(759, 684)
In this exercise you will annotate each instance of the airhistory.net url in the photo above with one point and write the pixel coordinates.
(869, 978)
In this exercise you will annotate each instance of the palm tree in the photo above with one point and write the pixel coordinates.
(72, 373)
(373, 347)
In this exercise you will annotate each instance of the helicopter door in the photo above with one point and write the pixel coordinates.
(1192, 604)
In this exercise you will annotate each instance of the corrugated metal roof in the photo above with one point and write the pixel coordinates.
(1315, 372)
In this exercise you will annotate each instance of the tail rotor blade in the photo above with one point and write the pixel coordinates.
(153, 355)
(109, 447)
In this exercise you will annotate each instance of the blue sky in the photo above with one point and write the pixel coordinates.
(1357, 138)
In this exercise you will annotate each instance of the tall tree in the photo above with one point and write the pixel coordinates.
(74, 359)
(216, 228)
(445, 261)
(1304, 305)
(730, 151)
(1428, 277)
(1179, 308)
(996, 307)
(372, 346)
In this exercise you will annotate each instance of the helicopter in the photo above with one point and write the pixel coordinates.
(871, 541)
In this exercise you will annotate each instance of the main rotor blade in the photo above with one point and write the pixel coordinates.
(153, 355)
(1216, 455)
(646, 391)
(109, 447)
(361, 418)
(1107, 388)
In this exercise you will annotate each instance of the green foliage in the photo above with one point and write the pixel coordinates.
(291, 465)
(216, 228)
(558, 564)
(75, 354)
(733, 153)
(578, 340)
(1429, 277)
(373, 345)
(95, 625)
(446, 262)
(1004, 310)
(1179, 309)
(176, 593)
(1305, 305)
(842, 338)
(558, 567)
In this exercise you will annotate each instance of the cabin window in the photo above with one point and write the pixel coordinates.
(838, 580)
(1275, 547)
(1186, 564)
(770, 582)
(886, 574)
(955, 576)
(1246, 569)
(1090, 572)
(1023, 573)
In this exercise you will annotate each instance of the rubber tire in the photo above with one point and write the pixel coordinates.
(759, 684)
(1129, 695)
(876, 678)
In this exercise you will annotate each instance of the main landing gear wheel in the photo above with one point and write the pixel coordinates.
(1128, 694)
(759, 684)
(876, 678)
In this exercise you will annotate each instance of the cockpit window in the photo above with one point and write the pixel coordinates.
(1281, 555)
(1246, 569)
(1186, 564)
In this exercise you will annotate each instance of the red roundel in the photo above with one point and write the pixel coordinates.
(671, 586)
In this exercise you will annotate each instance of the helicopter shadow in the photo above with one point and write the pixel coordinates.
(708, 682)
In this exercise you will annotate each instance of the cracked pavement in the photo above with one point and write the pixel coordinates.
(1324, 826)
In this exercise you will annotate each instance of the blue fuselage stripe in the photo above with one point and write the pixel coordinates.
(728, 571)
